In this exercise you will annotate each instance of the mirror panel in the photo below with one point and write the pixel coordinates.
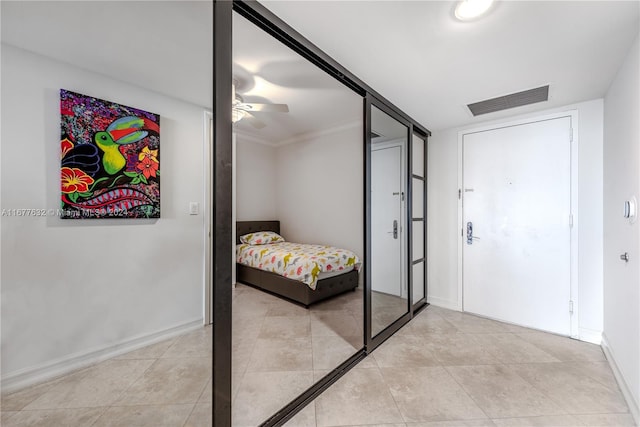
(418, 216)
(389, 298)
(417, 205)
(302, 167)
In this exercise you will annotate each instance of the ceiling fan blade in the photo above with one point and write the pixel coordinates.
(266, 108)
(249, 118)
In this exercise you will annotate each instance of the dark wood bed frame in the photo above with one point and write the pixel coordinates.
(286, 288)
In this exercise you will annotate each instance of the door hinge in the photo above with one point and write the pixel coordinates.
(459, 193)
(571, 134)
(570, 307)
(462, 231)
(571, 220)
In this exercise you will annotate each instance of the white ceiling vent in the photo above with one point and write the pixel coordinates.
(513, 100)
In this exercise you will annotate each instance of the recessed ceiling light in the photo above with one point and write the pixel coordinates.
(467, 10)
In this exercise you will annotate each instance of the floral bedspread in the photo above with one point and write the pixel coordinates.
(297, 261)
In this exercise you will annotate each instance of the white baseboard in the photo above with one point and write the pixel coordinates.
(634, 407)
(442, 302)
(37, 374)
(589, 335)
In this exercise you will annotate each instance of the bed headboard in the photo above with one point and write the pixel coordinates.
(245, 227)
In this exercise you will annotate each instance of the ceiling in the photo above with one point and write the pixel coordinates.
(413, 53)
(267, 71)
(419, 57)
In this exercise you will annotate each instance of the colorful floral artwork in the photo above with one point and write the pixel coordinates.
(110, 159)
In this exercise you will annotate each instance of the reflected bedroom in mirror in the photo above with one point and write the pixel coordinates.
(298, 293)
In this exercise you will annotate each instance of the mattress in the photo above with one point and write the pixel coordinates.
(302, 262)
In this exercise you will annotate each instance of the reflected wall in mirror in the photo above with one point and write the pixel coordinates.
(102, 320)
(389, 294)
(418, 218)
(299, 173)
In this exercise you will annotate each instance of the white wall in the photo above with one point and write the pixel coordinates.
(444, 230)
(320, 189)
(255, 180)
(621, 338)
(75, 289)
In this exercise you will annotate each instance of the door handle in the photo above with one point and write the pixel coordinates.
(395, 229)
(470, 235)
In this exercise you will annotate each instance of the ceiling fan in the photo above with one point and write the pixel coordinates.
(243, 110)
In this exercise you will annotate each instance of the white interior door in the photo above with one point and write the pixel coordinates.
(386, 216)
(517, 196)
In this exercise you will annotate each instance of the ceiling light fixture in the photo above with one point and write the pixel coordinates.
(237, 115)
(468, 10)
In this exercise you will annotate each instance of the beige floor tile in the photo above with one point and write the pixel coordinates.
(457, 423)
(331, 351)
(368, 362)
(404, 352)
(429, 394)
(318, 374)
(18, 400)
(152, 351)
(100, 385)
(285, 327)
(429, 322)
(207, 393)
(169, 381)
(75, 417)
(599, 371)
(509, 348)
(563, 348)
(276, 354)
(285, 308)
(305, 418)
(198, 343)
(470, 324)
(359, 397)
(500, 393)
(458, 349)
(201, 416)
(339, 323)
(543, 421)
(606, 420)
(5, 415)
(382, 425)
(261, 394)
(145, 416)
(246, 328)
(573, 392)
(236, 380)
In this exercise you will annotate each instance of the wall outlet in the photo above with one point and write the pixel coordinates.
(194, 208)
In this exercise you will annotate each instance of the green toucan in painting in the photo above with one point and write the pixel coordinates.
(123, 131)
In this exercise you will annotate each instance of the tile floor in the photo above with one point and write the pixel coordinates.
(280, 349)
(447, 368)
(443, 369)
(165, 384)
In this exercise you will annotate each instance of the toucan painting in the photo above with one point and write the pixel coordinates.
(110, 159)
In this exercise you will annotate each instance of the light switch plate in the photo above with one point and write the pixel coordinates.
(194, 208)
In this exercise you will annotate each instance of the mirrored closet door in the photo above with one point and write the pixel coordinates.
(298, 296)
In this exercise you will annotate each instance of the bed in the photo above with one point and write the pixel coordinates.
(284, 287)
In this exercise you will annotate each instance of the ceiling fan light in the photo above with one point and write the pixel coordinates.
(467, 10)
(237, 115)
